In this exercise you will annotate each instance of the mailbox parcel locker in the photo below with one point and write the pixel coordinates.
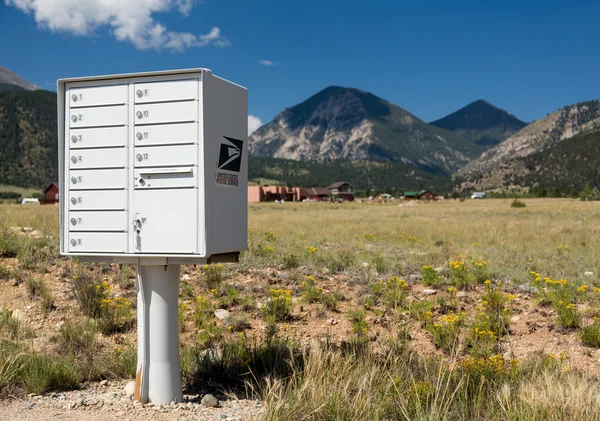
(153, 165)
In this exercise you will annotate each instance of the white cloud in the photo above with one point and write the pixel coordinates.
(267, 62)
(253, 124)
(128, 21)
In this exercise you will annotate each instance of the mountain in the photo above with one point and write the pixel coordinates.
(353, 124)
(493, 168)
(28, 138)
(11, 81)
(481, 123)
(563, 167)
(364, 175)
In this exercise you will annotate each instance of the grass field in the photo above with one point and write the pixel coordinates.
(453, 310)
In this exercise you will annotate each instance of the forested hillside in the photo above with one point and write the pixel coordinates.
(28, 138)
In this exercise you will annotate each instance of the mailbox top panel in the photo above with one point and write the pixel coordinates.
(162, 73)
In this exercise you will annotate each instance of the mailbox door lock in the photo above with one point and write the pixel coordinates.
(137, 225)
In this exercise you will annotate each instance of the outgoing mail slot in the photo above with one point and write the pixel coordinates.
(100, 116)
(168, 134)
(97, 95)
(97, 179)
(97, 138)
(98, 158)
(97, 242)
(165, 178)
(178, 90)
(172, 112)
(98, 221)
(165, 156)
(98, 200)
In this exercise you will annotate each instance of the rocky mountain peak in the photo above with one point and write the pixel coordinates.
(10, 80)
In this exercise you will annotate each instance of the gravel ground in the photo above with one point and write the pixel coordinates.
(107, 401)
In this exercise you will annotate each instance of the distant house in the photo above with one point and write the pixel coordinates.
(420, 195)
(314, 193)
(272, 193)
(478, 195)
(341, 190)
(51, 195)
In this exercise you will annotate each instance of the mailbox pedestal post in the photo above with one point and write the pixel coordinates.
(158, 377)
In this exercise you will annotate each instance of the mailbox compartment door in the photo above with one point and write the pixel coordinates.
(173, 112)
(98, 221)
(104, 137)
(97, 179)
(98, 117)
(166, 156)
(176, 90)
(98, 200)
(98, 158)
(168, 134)
(97, 95)
(167, 219)
(97, 242)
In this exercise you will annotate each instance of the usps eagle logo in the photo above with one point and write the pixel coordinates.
(230, 154)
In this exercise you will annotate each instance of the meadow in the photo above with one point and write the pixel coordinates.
(452, 310)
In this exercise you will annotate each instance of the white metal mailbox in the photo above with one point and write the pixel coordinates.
(153, 165)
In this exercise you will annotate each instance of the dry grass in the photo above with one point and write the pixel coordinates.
(353, 260)
(409, 237)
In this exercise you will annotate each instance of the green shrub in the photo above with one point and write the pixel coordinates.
(77, 337)
(89, 293)
(380, 263)
(310, 292)
(461, 275)
(516, 203)
(590, 335)
(568, 315)
(187, 290)
(278, 307)
(495, 309)
(208, 332)
(36, 287)
(34, 252)
(43, 373)
(359, 327)
(238, 323)
(213, 275)
(126, 276)
(5, 272)
(291, 261)
(10, 244)
(392, 293)
(420, 310)
(446, 330)
(430, 276)
(313, 294)
(12, 328)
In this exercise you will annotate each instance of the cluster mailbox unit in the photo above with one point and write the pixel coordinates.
(153, 169)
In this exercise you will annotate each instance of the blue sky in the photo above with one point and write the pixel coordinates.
(429, 57)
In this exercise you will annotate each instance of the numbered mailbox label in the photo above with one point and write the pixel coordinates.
(174, 112)
(97, 242)
(98, 200)
(101, 137)
(98, 117)
(166, 156)
(97, 95)
(98, 158)
(178, 90)
(168, 134)
(98, 221)
(97, 179)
